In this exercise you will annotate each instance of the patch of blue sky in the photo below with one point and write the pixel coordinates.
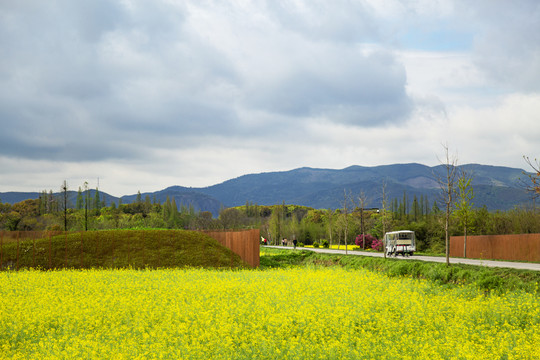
(437, 40)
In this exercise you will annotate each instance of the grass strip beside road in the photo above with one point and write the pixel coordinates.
(499, 280)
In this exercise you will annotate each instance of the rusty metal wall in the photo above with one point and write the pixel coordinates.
(515, 247)
(245, 243)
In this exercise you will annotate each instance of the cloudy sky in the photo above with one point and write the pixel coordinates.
(148, 94)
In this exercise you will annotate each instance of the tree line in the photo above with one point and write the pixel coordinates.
(452, 214)
(276, 222)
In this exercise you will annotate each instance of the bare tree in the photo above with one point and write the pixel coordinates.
(330, 216)
(345, 204)
(446, 182)
(362, 199)
(384, 215)
(533, 185)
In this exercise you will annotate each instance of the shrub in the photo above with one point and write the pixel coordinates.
(488, 281)
(325, 244)
(315, 244)
(437, 248)
(365, 242)
(377, 244)
(300, 244)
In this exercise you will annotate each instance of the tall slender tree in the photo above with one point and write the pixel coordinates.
(447, 183)
(415, 209)
(86, 205)
(362, 199)
(166, 212)
(330, 224)
(52, 203)
(464, 204)
(64, 189)
(274, 225)
(173, 215)
(80, 201)
(97, 201)
(345, 205)
(384, 215)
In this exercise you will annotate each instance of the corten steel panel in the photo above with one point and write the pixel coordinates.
(456, 246)
(534, 251)
(518, 247)
(245, 243)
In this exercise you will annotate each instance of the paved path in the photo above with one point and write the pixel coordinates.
(488, 263)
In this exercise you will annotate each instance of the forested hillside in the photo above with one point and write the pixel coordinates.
(496, 188)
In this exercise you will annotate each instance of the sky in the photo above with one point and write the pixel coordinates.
(133, 95)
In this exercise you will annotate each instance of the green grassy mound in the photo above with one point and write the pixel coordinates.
(119, 249)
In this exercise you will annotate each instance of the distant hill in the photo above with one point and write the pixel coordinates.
(496, 187)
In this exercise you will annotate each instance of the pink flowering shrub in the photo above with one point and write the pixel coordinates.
(368, 241)
(377, 244)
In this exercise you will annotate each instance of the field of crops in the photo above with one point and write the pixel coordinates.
(299, 313)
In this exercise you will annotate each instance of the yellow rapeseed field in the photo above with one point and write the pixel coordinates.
(303, 313)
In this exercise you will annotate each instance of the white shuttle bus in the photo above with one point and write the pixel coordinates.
(401, 242)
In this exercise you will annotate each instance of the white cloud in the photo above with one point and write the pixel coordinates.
(499, 134)
(507, 45)
(148, 95)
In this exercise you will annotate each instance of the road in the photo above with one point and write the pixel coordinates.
(488, 263)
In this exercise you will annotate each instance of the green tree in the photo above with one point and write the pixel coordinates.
(166, 212)
(173, 214)
(330, 224)
(80, 201)
(52, 203)
(97, 201)
(415, 209)
(12, 220)
(294, 226)
(426, 205)
(362, 199)
(64, 190)
(274, 225)
(86, 205)
(147, 204)
(405, 205)
(43, 202)
(464, 205)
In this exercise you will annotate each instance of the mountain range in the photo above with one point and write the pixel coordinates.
(496, 187)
